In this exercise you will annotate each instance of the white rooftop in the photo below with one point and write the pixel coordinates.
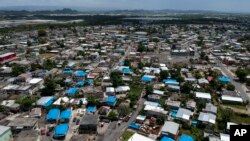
(138, 137)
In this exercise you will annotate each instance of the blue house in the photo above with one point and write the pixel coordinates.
(45, 101)
(72, 91)
(186, 138)
(80, 83)
(80, 73)
(111, 100)
(165, 138)
(91, 109)
(53, 115)
(68, 71)
(224, 79)
(171, 82)
(65, 115)
(146, 79)
(61, 131)
(126, 71)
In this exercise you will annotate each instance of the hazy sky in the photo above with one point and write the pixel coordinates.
(218, 5)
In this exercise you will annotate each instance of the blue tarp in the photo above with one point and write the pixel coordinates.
(72, 91)
(66, 114)
(224, 79)
(121, 63)
(53, 114)
(49, 102)
(80, 73)
(134, 126)
(171, 82)
(80, 83)
(146, 79)
(166, 139)
(68, 71)
(111, 99)
(91, 109)
(126, 70)
(173, 113)
(61, 129)
(186, 138)
(45, 101)
(90, 81)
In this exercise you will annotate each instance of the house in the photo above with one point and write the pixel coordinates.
(53, 115)
(184, 114)
(138, 137)
(152, 110)
(170, 129)
(110, 91)
(210, 108)
(61, 131)
(28, 135)
(36, 113)
(173, 104)
(185, 138)
(19, 124)
(231, 99)
(203, 82)
(11, 105)
(5, 133)
(154, 98)
(65, 115)
(89, 124)
(111, 100)
(45, 101)
(191, 105)
(203, 96)
(122, 89)
(140, 119)
(207, 118)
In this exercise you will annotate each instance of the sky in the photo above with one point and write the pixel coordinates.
(214, 5)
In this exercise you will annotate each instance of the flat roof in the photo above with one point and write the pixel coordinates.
(61, 129)
(53, 114)
(35, 80)
(138, 137)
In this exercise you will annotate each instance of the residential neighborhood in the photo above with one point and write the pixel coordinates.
(125, 82)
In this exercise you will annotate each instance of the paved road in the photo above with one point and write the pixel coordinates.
(114, 131)
(237, 85)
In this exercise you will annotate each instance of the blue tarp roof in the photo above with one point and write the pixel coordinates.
(53, 114)
(171, 81)
(91, 109)
(72, 91)
(224, 79)
(80, 73)
(66, 114)
(126, 70)
(45, 101)
(67, 71)
(61, 129)
(121, 63)
(134, 126)
(166, 139)
(111, 99)
(90, 81)
(80, 83)
(186, 138)
(146, 79)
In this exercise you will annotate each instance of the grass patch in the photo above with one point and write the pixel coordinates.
(240, 118)
(126, 135)
(242, 107)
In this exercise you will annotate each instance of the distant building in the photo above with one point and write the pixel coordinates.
(89, 124)
(5, 133)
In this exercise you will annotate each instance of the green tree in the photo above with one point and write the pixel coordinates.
(123, 110)
(202, 55)
(187, 87)
(29, 43)
(49, 64)
(41, 33)
(127, 62)
(226, 115)
(112, 116)
(49, 87)
(116, 79)
(164, 75)
(241, 74)
(149, 89)
(230, 87)
(26, 102)
(18, 69)
(141, 48)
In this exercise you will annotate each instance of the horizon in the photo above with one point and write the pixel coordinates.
(240, 6)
